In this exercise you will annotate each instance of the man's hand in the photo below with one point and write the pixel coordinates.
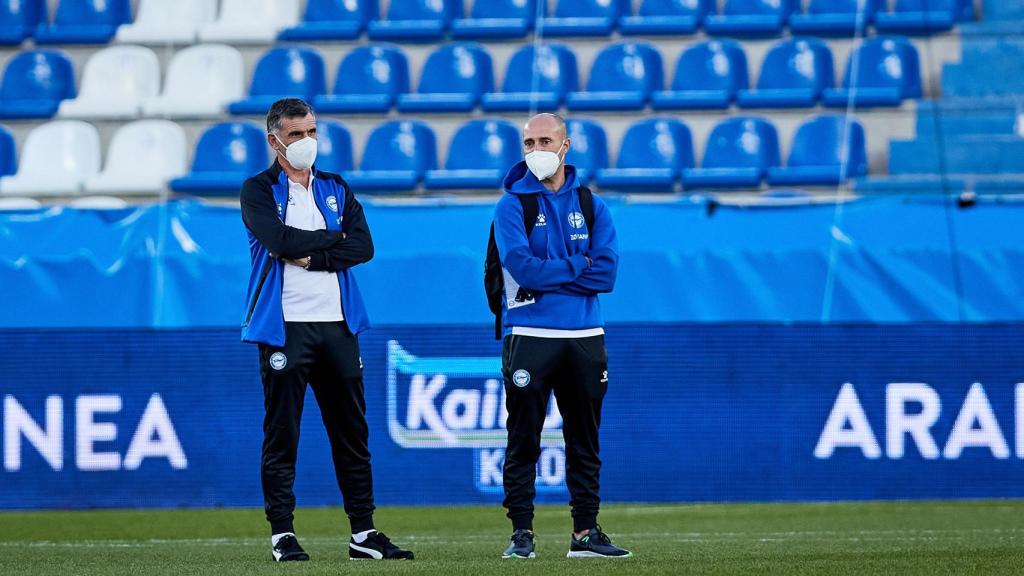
(300, 262)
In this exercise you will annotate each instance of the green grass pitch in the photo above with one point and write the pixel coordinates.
(848, 538)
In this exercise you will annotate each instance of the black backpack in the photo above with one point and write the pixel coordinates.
(494, 280)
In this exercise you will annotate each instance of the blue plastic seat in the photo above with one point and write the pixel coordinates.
(283, 72)
(34, 84)
(622, 78)
(535, 83)
(227, 154)
(369, 79)
(887, 73)
(332, 20)
(708, 76)
(496, 19)
(333, 146)
(84, 22)
(480, 154)
(588, 150)
(923, 16)
(817, 154)
(738, 153)
(750, 18)
(665, 17)
(835, 18)
(18, 20)
(583, 18)
(397, 155)
(8, 149)
(794, 74)
(418, 20)
(651, 156)
(454, 78)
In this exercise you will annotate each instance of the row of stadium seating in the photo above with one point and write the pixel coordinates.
(185, 21)
(124, 81)
(63, 157)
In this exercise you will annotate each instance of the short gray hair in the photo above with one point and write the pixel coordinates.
(286, 108)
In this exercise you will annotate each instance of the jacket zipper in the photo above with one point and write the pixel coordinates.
(336, 274)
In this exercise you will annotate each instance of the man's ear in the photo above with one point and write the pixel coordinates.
(271, 141)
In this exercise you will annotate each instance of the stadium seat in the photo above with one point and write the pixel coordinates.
(817, 154)
(738, 153)
(397, 155)
(750, 18)
(201, 81)
(622, 78)
(793, 75)
(19, 203)
(923, 16)
(588, 150)
(115, 83)
(666, 17)
(19, 19)
(651, 156)
(887, 74)
(535, 83)
(334, 146)
(283, 72)
(142, 157)
(332, 20)
(708, 76)
(843, 18)
(8, 153)
(480, 154)
(454, 78)
(496, 19)
(420, 20)
(227, 154)
(84, 22)
(35, 82)
(251, 21)
(369, 79)
(163, 22)
(98, 203)
(57, 158)
(583, 18)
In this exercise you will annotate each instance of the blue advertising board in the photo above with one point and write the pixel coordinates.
(694, 412)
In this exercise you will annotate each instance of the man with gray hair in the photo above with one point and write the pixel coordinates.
(303, 308)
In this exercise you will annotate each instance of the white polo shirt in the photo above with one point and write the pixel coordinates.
(308, 296)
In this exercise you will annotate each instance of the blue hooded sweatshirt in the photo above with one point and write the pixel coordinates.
(552, 262)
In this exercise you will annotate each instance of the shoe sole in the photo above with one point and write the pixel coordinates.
(518, 557)
(589, 554)
(300, 557)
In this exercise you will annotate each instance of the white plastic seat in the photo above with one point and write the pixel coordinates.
(116, 81)
(143, 156)
(98, 203)
(251, 21)
(56, 159)
(19, 203)
(200, 82)
(166, 22)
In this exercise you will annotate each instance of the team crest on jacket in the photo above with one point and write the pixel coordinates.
(278, 360)
(576, 220)
(332, 203)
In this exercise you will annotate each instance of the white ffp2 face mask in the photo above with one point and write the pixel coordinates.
(544, 164)
(300, 154)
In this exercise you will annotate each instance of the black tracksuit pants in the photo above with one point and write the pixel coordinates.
(325, 355)
(576, 369)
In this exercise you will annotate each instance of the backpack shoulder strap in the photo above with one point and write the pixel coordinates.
(587, 207)
(531, 209)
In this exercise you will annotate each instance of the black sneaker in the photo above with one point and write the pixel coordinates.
(521, 546)
(595, 544)
(288, 550)
(377, 546)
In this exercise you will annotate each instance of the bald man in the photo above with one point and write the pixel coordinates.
(553, 334)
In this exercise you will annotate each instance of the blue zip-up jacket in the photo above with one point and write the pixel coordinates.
(552, 262)
(345, 243)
